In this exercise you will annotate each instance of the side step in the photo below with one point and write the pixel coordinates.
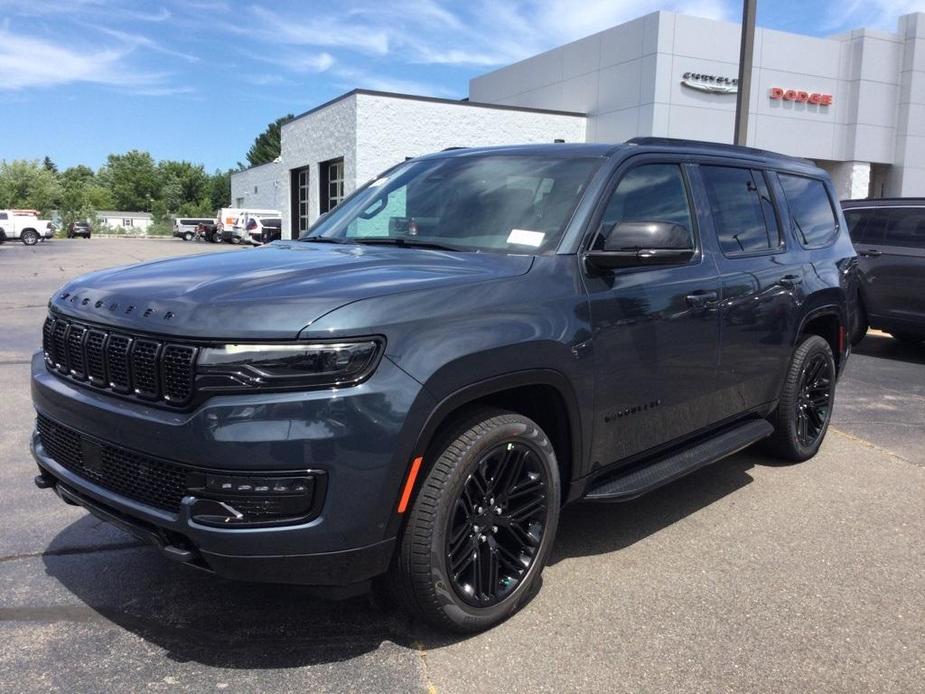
(644, 479)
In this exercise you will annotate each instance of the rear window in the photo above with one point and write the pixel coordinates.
(811, 214)
(743, 214)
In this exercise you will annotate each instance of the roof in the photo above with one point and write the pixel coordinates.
(121, 213)
(431, 99)
(569, 149)
(704, 147)
(883, 202)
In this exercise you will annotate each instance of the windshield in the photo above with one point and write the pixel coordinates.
(498, 203)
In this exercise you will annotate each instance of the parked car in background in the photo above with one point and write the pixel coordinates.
(238, 231)
(185, 227)
(81, 228)
(264, 229)
(28, 228)
(207, 231)
(228, 217)
(889, 235)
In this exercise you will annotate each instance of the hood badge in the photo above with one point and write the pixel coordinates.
(148, 312)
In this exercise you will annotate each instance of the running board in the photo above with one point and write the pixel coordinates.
(653, 475)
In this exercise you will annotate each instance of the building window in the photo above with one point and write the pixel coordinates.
(332, 184)
(127, 222)
(255, 190)
(239, 202)
(299, 183)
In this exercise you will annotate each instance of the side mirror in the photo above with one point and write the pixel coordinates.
(632, 244)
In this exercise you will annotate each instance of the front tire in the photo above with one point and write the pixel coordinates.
(804, 410)
(30, 237)
(482, 525)
(188, 236)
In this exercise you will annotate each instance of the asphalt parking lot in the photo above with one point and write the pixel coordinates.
(746, 576)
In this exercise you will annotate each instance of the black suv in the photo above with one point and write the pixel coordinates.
(412, 390)
(889, 235)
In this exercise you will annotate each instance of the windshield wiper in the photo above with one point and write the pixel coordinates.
(322, 239)
(407, 243)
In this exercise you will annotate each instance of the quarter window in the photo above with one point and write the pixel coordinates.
(743, 214)
(811, 215)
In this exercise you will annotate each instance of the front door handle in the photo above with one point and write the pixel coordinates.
(870, 252)
(791, 281)
(701, 299)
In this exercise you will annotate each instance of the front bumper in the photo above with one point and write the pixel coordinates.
(361, 438)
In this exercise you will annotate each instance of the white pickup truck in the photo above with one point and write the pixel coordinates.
(28, 228)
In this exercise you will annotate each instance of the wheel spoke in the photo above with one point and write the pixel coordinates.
(496, 525)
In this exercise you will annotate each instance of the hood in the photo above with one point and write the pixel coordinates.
(271, 292)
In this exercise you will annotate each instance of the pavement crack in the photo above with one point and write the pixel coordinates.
(72, 551)
(869, 444)
(430, 688)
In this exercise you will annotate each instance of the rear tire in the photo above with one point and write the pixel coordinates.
(29, 237)
(804, 410)
(482, 525)
(908, 338)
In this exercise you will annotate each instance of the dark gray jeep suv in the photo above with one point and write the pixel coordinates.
(412, 390)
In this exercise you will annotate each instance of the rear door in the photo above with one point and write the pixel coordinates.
(761, 280)
(891, 244)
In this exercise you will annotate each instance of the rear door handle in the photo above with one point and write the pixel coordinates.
(791, 280)
(700, 299)
(871, 252)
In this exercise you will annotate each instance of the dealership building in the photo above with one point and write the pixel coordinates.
(853, 103)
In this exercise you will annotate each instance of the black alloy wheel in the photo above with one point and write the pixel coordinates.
(815, 399)
(497, 525)
(482, 524)
(804, 407)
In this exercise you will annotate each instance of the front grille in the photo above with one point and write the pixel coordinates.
(141, 367)
(147, 480)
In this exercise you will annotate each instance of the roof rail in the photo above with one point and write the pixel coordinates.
(703, 144)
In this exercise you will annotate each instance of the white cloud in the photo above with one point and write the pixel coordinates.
(32, 62)
(878, 14)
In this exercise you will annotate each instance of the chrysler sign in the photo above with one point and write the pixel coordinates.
(710, 83)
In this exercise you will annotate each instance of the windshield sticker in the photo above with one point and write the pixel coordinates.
(524, 237)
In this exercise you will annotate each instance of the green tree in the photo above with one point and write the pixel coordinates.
(182, 182)
(79, 174)
(132, 179)
(220, 189)
(28, 184)
(50, 165)
(267, 145)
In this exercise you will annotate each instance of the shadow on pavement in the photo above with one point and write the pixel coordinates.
(885, 347)
(198, 617)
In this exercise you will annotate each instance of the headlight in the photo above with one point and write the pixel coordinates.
(285, 366)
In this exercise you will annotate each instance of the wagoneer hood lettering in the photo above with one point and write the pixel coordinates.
(273, 292)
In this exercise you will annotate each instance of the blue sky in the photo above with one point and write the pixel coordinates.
(198, 79)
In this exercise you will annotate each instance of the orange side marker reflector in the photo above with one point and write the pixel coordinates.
(409, 484)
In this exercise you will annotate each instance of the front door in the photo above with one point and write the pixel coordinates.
(655, 328)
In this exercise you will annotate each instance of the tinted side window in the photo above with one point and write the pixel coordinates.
(650, 193)
(743, 214)
(867, 225)
(905, 227)
(811, 213)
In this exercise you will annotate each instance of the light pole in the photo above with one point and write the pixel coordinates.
(746, 48)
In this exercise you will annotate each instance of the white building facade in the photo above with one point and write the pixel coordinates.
(854, 103)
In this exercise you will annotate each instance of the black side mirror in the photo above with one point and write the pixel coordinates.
(631, 244)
